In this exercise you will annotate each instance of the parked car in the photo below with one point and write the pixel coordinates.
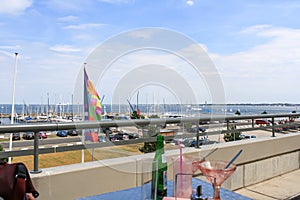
(28, 135)
(102, 138)
(42, 135)
(188, 142)
(193, 142)
(117, 136)
(62, 133)
(250, 136)
(262, 122)
(123, 136)
(175, 141)
(242, 136)
(194, 129)
(16, 136)
(73, 132)
(106, 130)
(279, 129)
(132, 136)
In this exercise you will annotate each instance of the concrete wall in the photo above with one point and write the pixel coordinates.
(261, 159)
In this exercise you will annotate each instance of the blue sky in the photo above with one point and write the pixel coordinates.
(254, 44)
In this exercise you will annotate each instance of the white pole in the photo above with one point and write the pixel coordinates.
(83, 142)
(83, 130)
(13, 104)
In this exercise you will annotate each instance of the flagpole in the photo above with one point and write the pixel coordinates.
(13, 104)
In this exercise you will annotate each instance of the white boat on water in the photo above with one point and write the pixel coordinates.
(60, 119)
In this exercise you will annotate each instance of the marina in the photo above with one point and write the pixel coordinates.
(69, 113)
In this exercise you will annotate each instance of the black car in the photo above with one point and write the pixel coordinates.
(123, 136)
(28, 136)
(16, 136)
(193, 143)
(106, 130)
(117, 136)
(73, 132)
(132, 135)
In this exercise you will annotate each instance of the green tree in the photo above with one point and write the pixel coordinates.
(233, 136)
(135, 115)
(153, 116)
(148, 147)
(237, 112)
(152, 131)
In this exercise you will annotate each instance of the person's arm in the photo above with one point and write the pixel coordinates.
(29, 196)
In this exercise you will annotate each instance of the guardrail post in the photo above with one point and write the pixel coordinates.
(252, 123)
(227, 124)
(273, 127)
(36, 154)
(197, 136)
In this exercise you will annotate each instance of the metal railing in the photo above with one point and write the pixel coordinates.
(141, 123)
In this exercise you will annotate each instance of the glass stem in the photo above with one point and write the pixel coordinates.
(217, 192)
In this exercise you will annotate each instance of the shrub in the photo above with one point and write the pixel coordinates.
(2, 159)
(236, 135)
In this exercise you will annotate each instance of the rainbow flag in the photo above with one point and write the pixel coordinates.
(92, 106)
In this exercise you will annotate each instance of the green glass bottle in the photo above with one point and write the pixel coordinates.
(162, 180)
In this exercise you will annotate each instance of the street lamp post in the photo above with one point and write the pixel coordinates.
(13, 104)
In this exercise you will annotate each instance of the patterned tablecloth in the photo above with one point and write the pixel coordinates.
(135, 193)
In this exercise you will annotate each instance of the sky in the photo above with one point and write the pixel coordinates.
(254, 44)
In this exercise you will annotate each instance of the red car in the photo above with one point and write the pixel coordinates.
(260, 121)
(42, 135)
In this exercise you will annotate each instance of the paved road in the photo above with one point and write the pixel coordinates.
(49, 141)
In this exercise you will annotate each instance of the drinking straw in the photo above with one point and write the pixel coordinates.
(180, 164)
(233, 159)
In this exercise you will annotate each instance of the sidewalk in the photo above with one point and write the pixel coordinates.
(286, 186)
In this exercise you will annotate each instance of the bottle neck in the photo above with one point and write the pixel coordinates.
(160, 143)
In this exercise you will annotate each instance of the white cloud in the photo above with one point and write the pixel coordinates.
(64, 48)
(282, 50)
(14, 6)
(190, 2)
(69, 18)
(256, 28)
(84, 26)
(265, 68)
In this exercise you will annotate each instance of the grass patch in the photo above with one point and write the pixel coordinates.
(72, 157)
(54, 159)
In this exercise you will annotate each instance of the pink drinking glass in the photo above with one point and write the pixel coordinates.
(216, 170)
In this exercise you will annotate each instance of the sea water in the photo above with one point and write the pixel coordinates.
(160, 109)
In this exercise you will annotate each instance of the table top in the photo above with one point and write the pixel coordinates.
(135, 193)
